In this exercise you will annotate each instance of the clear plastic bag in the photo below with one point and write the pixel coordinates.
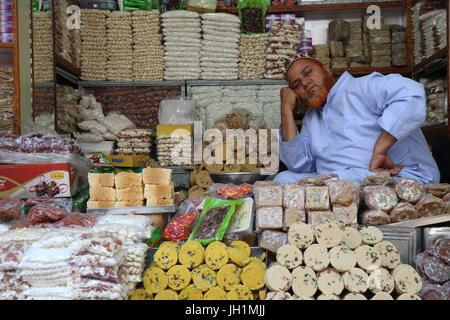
(11, 208)
(46, 213)
(11, 254)
(230, 191)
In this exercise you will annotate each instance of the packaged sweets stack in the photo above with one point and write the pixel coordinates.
(63, 36)
(67, 108)
(417, 35)
(94, 57)
(134, 142)
(380, 46)
(120, 46)
(252, 58)
(436, 91)
(322, 52)
(433, 26)
(174, 149)
(6, 99)
(389, 200)
(284, 39)
(432, 265)
(328, 263)
(11, 282)
(353, 45)
(129, 190)
(158, 186)
(182, 44)
(192, 272)
(148, 50)
(398, 43)
(42, 46)
(220, 46)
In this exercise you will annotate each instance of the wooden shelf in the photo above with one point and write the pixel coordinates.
(66, 65)
(4, 45)
(324, 7)
(424, 63)
(368, 70)
(421, 222)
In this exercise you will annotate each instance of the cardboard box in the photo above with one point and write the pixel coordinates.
(167, 129)
(38, 180)
(128, 161)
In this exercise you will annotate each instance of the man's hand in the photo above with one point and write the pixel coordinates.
(380, 159)
(288, 104)
(382, 162)
(288, 99)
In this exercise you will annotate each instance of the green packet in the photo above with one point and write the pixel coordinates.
(156, 238)
(261, 4)
(214, 233)
(137, 4)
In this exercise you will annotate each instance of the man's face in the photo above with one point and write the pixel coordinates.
(310, 82)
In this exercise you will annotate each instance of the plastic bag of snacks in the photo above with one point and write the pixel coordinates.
(169, 5)
(230, 191)
(180, 227)
(252, 14)
(214, 219)
(202, 5)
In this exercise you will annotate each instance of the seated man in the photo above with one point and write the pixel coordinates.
(354, 127)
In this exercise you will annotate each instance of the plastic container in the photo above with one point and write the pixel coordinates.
(242, 220)
(99, 4)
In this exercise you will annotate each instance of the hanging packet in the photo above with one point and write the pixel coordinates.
(213, 220)
(253, 16)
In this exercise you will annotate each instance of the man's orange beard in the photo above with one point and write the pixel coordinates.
(322, 94)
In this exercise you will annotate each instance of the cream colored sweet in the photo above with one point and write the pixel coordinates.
(328, 234)
(317, 257)
(289, 256)
(382, 296)
(371, 235)
(407, 281)
(278, 295)
(301, 235)
(355, 280)
(354, 296)
(351, 238)
(367, 257)
(390, 257)
(278, 278)
(342, 258)
(328, 297)
(401, 267)
(380, 280)
(330, 281)
(304, 282)
(408, 296)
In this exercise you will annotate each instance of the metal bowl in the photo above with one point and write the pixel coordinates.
(239, 177)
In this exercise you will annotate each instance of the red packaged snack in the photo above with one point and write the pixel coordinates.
(230, 191)
(75, 219)
(42, 213)
(180, 227)
(11, 208)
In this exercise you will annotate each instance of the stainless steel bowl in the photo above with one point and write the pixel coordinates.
(239, 177)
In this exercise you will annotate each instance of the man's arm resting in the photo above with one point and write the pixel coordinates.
(380, 160)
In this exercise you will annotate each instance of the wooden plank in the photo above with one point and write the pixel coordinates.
(421, 221)
(325, 7)
(4, 45)
(16, 69)
(424, 63)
